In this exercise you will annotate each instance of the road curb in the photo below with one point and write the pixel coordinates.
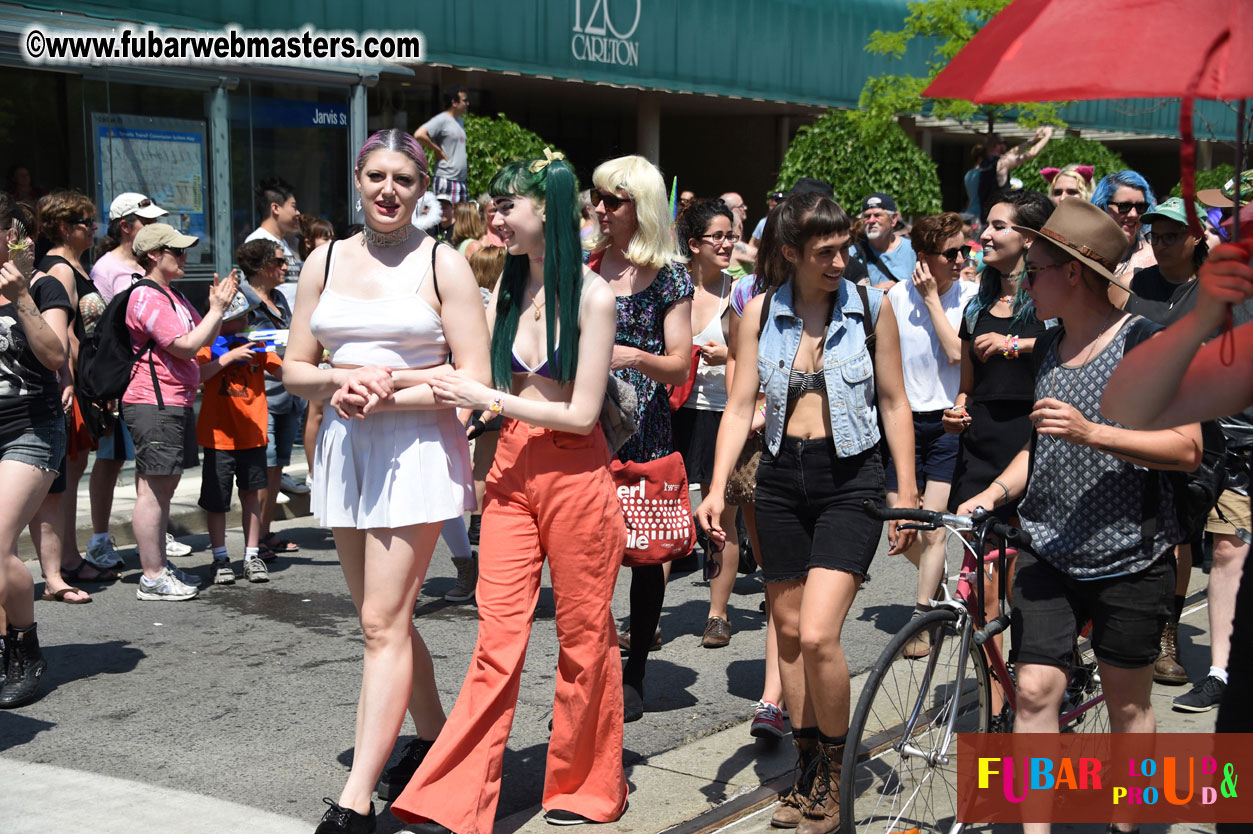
(186, 516)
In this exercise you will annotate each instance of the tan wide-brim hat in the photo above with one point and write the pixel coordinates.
(1086, 232)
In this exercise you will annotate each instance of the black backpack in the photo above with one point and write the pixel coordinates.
(106, 362)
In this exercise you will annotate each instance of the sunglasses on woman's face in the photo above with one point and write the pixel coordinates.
(956, 252)
(1125, 207)
(612, 201)
(175, 251)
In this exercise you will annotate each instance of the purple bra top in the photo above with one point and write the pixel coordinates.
(542, 370)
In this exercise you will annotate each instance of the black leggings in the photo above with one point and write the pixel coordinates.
(648, 591)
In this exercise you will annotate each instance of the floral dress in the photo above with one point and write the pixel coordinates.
(641, 324)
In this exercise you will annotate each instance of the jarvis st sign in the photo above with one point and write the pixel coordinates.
(600, 37)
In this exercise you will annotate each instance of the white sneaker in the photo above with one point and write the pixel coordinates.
(222, 573)
(281, 498)
(165, 588)
(173, 547)
(103, 555)
(255, 570)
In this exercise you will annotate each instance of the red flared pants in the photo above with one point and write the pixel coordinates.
(549, 494)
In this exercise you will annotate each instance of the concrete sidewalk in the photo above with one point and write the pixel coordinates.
(186, 517)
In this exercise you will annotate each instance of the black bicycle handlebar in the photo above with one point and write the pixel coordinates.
(1010, 535)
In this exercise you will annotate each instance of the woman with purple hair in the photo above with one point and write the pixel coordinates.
(391, 463)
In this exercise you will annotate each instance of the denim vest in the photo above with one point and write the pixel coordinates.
(846, 363)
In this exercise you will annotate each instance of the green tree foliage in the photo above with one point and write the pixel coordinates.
(860, 156)
(949, 25)
(490, 143)
(1063, 151)
(1213, 178)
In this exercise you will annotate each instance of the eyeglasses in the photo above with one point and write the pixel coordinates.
(1030, 273)
(1164, 240)
(175, 251)
(956, 252)
(89, 222)
(612, 201)
(719, 237)
(1126, 207)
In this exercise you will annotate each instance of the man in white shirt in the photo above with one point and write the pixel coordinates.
(280, 219)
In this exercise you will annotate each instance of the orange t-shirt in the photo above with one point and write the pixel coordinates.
(233, 412)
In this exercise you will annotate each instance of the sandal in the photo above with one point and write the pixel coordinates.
(60, 596)
(274, 543)
(98, 575)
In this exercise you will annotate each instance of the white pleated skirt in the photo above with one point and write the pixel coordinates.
(391, 469)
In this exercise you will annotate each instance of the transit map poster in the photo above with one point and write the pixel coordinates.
(160, 158)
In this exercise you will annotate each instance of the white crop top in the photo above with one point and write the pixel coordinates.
(401, 331)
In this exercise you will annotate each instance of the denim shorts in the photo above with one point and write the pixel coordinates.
(117, 446)
(281, 436)
(935, 452)
(41, 446)
(809, 509)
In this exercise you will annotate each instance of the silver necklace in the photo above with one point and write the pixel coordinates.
(395, 238)
(1082, 365)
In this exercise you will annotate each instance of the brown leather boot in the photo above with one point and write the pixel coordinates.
(793, 802)
(822, 816)
(1167, 669)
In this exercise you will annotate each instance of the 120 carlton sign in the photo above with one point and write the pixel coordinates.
(599, 39)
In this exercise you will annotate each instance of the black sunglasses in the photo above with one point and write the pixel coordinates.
(713, 567)
(175, 251)
(956, 252)
(612, 201)
(1126, 207)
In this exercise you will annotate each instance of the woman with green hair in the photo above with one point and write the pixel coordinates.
(549, 494)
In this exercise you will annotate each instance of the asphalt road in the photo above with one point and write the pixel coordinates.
(249, 692)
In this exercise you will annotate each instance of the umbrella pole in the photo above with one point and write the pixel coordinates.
(1235, 226)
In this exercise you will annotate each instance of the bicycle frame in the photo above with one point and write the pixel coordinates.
(973, 623)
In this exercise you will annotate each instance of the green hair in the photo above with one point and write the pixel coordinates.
(555, 189)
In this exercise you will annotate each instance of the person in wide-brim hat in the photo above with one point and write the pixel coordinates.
(1086, 233)
(1102, 523)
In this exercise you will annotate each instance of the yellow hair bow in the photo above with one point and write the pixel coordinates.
(540, 164)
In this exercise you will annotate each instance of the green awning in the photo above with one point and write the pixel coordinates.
(800, 51)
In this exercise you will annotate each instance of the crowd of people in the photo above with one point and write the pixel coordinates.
(825, 360)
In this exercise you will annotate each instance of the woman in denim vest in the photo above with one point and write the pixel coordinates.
(823, 386)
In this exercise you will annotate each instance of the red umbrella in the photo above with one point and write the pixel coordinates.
(1061, 50)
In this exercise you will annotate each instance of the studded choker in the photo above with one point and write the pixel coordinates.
(375, 238)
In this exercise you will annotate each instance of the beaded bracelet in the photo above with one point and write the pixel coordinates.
(1010, 350)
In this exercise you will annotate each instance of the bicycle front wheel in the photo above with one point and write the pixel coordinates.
(900, 761)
